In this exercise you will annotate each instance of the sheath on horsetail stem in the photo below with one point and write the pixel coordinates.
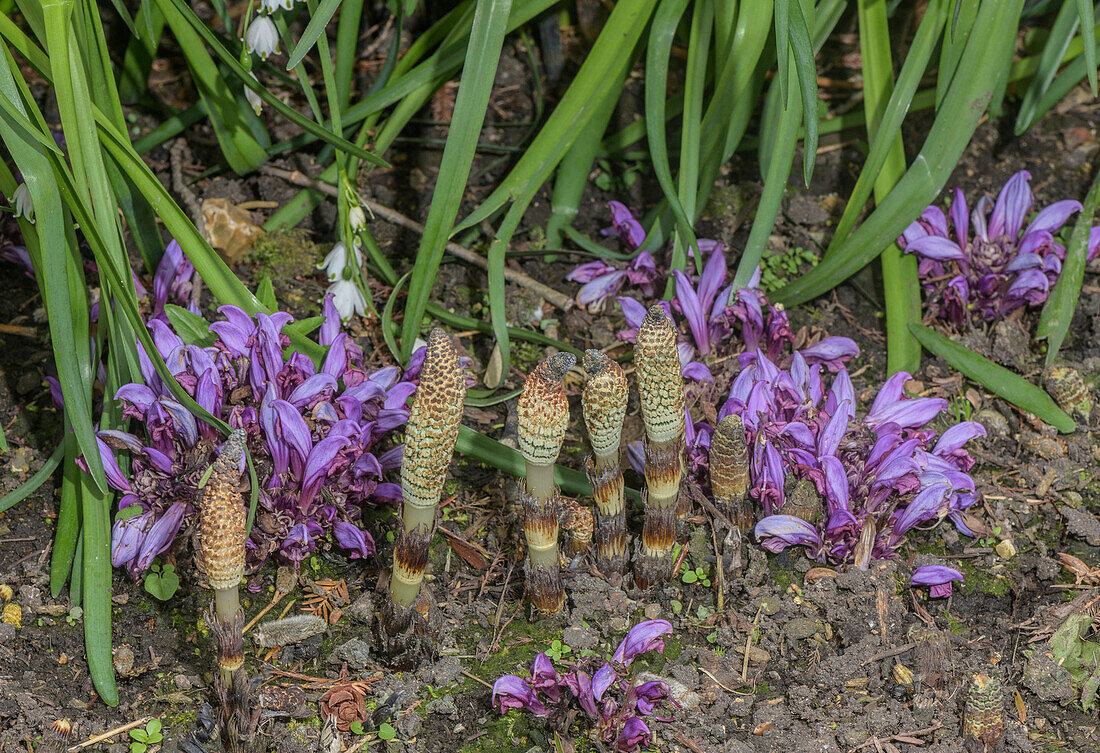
(543, 413)
(577, 526)
(661, 387)
(430, 436)
(604, 404)
(223, 531)
(729, 472)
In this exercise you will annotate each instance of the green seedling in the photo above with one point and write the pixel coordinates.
(162, 581)
(691, 575)
(386, 731)
(74, 616)
(143, 738)
(777, 268)
(557, 650)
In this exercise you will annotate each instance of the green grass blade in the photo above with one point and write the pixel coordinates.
(61, 284)
(483, 55)
(662, 32)
(997, 379)
(782, 12)
(899, 272)
(68, 518)
(240, 149)
(347, 40)
(1058, 311)
(786, 131)
(802, 56)
(30, 486)
(956, 36)
(96, 529)
(901, 100)
(231, 63)
(610, 54)
(1085, 12)
(76, 582)
(314, 29)
(1062, 33)
(966, 100)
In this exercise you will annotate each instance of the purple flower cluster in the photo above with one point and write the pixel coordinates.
(1000, 267)
(173, 282)
(872, 479)
(312, 433)
(601, 280)
(609, 697)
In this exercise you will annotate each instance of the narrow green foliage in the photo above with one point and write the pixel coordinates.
(1058, 310)
(314, 29)
(995, 378)
(1086, 14)
(483, 54)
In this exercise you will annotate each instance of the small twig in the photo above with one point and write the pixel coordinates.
(688, 743)
(475, 678)
(557, 299)
(716, 681)
(905, 737)
(274, 600)
(15, 329)
(748, 645)
(888, 654)
(109, 734)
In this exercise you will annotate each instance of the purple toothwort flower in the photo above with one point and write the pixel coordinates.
(609, 697)
(847, 490)
(314, 432)
(980, 265)
(625, 225)
(601, 280)
(172, 282)
(938, 578)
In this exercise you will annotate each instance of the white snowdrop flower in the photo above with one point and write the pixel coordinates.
(22, 204)
(252, 97)
(357, 218)
(347, 298)
(270, 6)
(261, 37)
(337, 260)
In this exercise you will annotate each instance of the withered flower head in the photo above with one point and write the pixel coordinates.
(604, 402)
(660, 382)
(223, 517)
(432, 428)
(544, 410)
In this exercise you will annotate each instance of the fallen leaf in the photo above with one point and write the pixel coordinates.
(762, 728)
(228, 228)
(1021, 709)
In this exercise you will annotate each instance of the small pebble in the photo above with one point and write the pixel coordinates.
(652, 611)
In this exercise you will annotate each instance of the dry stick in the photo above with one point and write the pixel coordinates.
(109, 734)
(296, 177)
(543, 412)
(604, 403)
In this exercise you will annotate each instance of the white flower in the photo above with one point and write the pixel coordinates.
(21, 202)
(347, 298)
(261, 37)
(357, 218)
(252, 97)
(337, 260)
(270, 6)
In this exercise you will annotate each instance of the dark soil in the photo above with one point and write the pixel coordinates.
(832, 664)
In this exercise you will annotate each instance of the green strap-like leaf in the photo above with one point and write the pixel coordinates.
(314, 29)
(1058, 310)
(997, 379)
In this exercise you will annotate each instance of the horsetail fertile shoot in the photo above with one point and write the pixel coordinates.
(543, 417)
(661, 387)
(430, 437)
(604, 404)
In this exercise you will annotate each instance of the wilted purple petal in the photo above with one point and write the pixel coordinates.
(1053, 217)
(1012, 206)
(317, 465)
(310, 388)
(642, 638)
(160, 536)
(935, 247)
(693, 311)
(649, 696)
(939, 577)
(349, 537)
(629, 230)
(543, 676)
(511, 692)
(127, 535)
(398, 395)
(696, 371)
(925, 506)
(634, 736)
(954, 438)
(1031, 285)
(910, 413)
(603, 680)
(580, 685)
(589, 271)
(832, 351)
(635, 455)
(960, 218)
(776, 532)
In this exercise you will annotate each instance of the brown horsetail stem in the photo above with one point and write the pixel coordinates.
(661, 387)
(729, 472)
(577, 525)
(543, 412)
(430, 437)
(604, 404)
(223, 531)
